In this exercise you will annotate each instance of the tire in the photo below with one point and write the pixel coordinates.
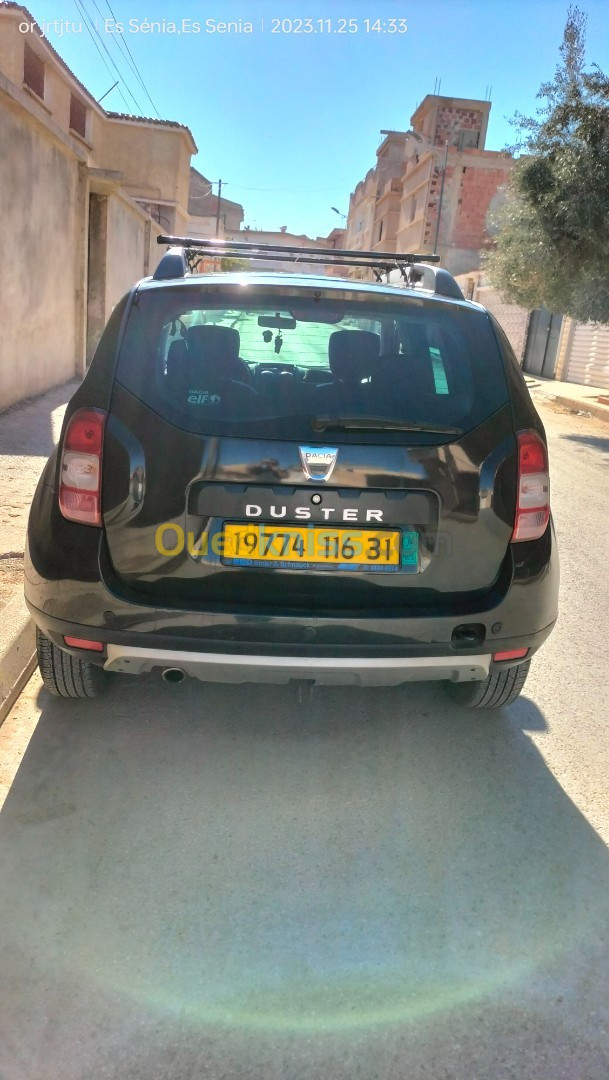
(498, 689)
(66, 676)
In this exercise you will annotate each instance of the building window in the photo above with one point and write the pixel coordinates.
(413, 208)
(33, 71)
(78, 116)
(468, 139)
(380, 236)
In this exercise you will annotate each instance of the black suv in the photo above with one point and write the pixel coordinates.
(272, 477)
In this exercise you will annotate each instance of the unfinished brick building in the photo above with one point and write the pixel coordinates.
(448, 172)
(437, 169)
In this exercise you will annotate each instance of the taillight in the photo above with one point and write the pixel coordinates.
(533, 492)
(80, 470)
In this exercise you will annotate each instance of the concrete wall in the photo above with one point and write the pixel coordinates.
(122, 249)
(126, 238)
(148, 158)
(42, 239)
(204, 227)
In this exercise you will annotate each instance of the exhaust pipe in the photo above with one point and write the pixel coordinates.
(173, 675)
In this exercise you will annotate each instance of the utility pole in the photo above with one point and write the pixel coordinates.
(435, 243)
(218, 208)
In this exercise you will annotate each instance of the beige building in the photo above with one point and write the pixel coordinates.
(374, 206)
(88, 191)
(288, 239)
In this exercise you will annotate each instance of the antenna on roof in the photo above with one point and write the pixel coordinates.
(107, 92)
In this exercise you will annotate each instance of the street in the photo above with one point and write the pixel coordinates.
(210, 881)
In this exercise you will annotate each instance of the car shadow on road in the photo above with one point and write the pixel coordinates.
(212, 880)
(595, 442)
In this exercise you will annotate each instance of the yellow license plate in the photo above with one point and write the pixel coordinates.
(310, 544)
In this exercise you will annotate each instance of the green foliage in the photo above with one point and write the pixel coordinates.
(231, 264)
(552, 229)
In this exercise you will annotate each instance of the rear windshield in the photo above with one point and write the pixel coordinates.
(243, 360)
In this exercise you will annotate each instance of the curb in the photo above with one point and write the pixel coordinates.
(17, 652)
(580, 408)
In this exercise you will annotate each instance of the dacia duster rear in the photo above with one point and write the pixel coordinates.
(272, 477)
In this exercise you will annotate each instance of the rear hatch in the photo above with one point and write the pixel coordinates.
(295, 447)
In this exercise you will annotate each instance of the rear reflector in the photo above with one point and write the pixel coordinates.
(80, 471)
(533, 492)
(84, 643)
(510, 654)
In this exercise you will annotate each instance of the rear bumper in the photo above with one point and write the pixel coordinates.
(332, 671)
(371, 657)
(69, 597)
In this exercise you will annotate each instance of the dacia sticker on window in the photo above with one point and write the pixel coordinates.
(203, 397)
(410, 550)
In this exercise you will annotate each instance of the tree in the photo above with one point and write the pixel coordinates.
(552, 230)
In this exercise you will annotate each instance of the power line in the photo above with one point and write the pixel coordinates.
(107, 51)
(122, 44)
(104, 62)
(205, 193)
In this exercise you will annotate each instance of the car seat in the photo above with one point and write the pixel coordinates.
(353, 356)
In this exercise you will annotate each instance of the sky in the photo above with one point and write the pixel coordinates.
(290, 121)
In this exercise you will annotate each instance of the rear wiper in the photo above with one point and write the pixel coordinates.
(378, 423)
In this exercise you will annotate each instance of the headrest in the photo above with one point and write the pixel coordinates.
(215, 350)
(203, 340)
(353, 354)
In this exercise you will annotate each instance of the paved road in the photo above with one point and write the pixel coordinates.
(211, 882)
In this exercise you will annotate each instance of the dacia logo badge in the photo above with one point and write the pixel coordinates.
(318, 461)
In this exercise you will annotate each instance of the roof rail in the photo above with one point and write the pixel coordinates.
(415, 270)
(434, 279)
(173, 265)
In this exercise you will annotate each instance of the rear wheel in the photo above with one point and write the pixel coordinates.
(499, 688)
(67, 676)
